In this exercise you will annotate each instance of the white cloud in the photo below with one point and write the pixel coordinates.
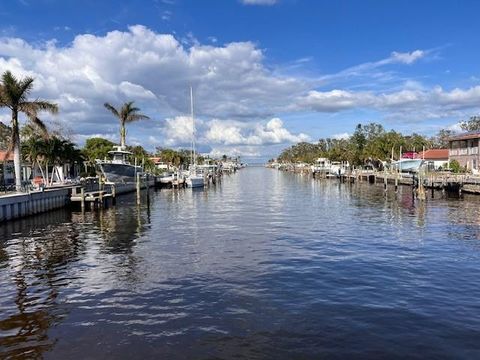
(455, 128)
(414, 103)
(238, 133)
(232, 81)
(155, 70)
(178, 130)
(341, 136)
(408, 57)
(259, 2)
(375, 69)
(135, 91)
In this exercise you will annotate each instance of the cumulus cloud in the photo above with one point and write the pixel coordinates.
(231, 81)
(415, 103)
(238, 133)
(242, 138)
(341, 136)
(178, 130)
(155, 70)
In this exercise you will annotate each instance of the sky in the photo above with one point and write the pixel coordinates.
(265, 73)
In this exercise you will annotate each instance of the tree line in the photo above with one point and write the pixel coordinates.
(371, 142)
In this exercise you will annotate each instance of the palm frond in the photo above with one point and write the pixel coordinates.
(31, 113)
(10, 92)
(136, 117)
(39, 105)
(40, 125)
(112, 109)
(25, 86)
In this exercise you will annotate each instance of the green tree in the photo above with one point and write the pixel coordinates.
(440, 141)
(126, 114)
(96, 148)
(473, 124)
(142, 156)
(5, 133)
(14, 95)
(455, 166)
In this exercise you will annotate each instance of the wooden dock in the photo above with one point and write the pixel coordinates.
(95, 198)
(446, 182)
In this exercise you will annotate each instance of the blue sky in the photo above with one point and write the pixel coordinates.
(265, 75)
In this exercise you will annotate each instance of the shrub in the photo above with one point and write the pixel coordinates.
(455, 166)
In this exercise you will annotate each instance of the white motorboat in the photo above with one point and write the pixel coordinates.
(119, 171)
(407, 165)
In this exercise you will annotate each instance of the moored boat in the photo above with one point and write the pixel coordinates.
(118, 171)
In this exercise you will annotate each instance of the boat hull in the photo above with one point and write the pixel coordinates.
(195, 181)
(408, 165)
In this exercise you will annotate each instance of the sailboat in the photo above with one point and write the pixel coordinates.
(195, 177)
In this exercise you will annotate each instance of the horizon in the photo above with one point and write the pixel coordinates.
(266, 73)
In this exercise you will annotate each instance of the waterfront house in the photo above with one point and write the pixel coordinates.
(435, 158)
(159, 164)
(464, 149)
(7, 175)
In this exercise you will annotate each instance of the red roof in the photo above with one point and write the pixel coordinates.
(3, 154)
(433, 154)
(156, 160)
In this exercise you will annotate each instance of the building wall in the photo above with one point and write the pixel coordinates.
(466, 152)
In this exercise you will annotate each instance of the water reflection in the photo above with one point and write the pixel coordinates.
(34, 260)
(37, 255)
(263, 265)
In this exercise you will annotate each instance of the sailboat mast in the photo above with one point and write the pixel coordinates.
(193, 127)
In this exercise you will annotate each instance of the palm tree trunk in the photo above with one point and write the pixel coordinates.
(41, 171)
(123, 134)
(16, 150)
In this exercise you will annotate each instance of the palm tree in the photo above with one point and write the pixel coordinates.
(34, 152)
(14, 95)
(126, 114)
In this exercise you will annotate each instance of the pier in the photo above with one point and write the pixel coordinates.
(17, 205)
(447, 182)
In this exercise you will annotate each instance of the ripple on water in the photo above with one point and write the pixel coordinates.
(264, 265)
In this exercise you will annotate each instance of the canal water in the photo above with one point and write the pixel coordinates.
(264, 265)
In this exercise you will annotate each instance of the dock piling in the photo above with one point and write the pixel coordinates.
(138, 189)
(82, 196)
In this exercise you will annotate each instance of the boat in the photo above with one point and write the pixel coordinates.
(338, 168)
(407, 165)
(119, 171)
(195, 177)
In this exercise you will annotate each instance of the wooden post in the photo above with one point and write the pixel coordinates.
(421, 188)
(114, 200)
(138, 189)
(82, 195)
(100, 189)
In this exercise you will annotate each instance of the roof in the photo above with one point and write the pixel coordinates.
(155, 159)
(3, 154)
(466, 136)
(433, 154)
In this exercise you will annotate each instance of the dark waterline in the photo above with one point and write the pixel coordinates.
(266, 265)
